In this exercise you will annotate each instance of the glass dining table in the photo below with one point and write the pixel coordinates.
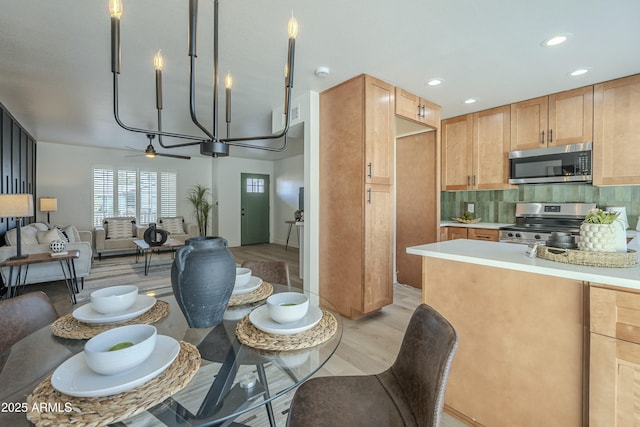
(233, 378)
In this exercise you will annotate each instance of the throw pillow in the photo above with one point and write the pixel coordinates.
(119, 229)
(46, 237)
(28, 236)
(72, 233)
(173, 225)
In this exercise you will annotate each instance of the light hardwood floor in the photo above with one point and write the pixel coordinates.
(369, 345)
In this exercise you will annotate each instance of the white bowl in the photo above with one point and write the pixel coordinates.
(243, 275)
(114, 299)
(287, 307)
(105, 362)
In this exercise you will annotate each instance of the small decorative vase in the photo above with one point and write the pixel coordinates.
(597, 237)
(203, 275)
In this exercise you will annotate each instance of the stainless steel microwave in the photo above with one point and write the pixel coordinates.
(562, 163)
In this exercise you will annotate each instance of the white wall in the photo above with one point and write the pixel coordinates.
(64, 171)
(289, 177)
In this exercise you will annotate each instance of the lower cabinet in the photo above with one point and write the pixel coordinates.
(452, 233)
(614, 366)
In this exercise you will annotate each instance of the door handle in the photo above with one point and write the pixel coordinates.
(542, 137)
(370, 166)
(550, 136)
(369, 195)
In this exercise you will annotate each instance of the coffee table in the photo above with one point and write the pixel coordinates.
(143, 247)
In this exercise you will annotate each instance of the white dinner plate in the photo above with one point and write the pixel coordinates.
(75, 378)
(253, 284)
(87, 314)
(261, 320)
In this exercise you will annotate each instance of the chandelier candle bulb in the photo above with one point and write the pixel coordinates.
(228, 83)
(115, 9)
(158, 64)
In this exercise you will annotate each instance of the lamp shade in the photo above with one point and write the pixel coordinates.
(16, 205)
(48, 204)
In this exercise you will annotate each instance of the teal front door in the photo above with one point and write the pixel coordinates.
(254, 202)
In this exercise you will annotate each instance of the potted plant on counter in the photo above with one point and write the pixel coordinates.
(599, 231)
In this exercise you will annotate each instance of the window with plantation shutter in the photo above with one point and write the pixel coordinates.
(168, 183)
(127, 192)
(148, 197)
(145, 195)
(102, 194)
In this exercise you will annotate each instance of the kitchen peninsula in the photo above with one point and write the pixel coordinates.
(541, 342)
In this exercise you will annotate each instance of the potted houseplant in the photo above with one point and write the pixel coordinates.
(198, 196)
(598, 231)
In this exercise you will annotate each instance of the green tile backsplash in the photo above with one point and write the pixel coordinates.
(499, 205)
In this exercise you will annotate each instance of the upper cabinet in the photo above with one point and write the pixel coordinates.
(475, 150)
(379, 131)
(414, 108)
(616, 132)
(559, 119)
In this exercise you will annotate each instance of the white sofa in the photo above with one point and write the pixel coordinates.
(177, 228)
(116, 235)
(35, 239)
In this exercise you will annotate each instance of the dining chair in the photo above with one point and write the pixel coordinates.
(269, 271)
(409, 393)
(23, 315)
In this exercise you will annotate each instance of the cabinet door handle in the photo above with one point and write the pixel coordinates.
(370, 166)
(550, 136)
(369, 195)
(468, 180)
(419, 110)
(422, 111)
(542, 137)
(474, 180)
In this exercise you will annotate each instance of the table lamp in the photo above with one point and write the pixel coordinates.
(48, 204)
(16, 206)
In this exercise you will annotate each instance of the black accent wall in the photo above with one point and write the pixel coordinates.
(17, 164)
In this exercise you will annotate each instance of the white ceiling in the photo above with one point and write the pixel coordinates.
(55, 73)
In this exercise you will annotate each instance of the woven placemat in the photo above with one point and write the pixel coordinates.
(589, 258)
(68, 326)
(253, 337)
(99, 411)
(263, 292)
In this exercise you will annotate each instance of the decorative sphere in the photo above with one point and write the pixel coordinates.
(57, 245)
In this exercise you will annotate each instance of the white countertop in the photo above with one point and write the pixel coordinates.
(512, 256)
(492, 225)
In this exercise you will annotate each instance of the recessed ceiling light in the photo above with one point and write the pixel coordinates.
(579, 72)
(435, 82)
(556, 40)
(470, 100)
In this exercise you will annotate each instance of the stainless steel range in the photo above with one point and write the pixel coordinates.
(536, 221)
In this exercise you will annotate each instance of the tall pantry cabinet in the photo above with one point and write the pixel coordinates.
(356, 195)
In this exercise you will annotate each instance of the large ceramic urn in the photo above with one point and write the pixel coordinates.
(203, 275)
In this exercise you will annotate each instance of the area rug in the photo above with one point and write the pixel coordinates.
(126, 271)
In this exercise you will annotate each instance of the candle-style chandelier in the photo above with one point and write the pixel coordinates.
(212, 144)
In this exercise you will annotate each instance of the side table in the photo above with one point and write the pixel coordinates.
(143, 247)
(66, 260)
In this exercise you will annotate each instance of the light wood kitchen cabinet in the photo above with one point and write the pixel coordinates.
(457, 146)
(475, 150)
(616, 142)
(487, 234)
(414, 108)
(452, 233)
(614, 366)
(558, 119)
(356, 211)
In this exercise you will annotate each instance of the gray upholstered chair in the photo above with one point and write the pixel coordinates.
(270, 271)
(23, 315)
(409, 393)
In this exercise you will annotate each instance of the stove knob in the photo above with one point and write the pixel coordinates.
(518, 235)
(510, 234)
(537, 237)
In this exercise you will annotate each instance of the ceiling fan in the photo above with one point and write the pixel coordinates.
(150, 151)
